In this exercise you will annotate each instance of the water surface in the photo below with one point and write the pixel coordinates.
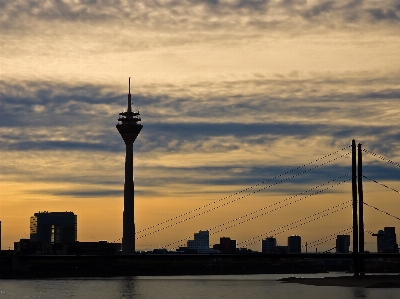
(185, 287)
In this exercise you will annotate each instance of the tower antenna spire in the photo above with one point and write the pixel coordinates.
(129, 97)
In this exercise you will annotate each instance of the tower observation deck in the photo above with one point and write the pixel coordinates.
(129, 128)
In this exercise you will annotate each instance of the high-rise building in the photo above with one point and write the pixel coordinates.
(226, 245)
(294, 244)
(268, 245)
(380, 241)
(53, 227)
(391, 245)
(342, 243)
(129, 128)
(386, 240)
(201, 242)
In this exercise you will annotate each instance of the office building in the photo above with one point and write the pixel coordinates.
(386, 240)
(226, 245)
(294, 244)
(200, 242)
(26, 246)
(342, 243)
(53, 227)
(268, 245)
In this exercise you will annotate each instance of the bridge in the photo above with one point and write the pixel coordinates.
(356, 204)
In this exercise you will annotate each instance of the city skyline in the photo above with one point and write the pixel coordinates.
(231, 93)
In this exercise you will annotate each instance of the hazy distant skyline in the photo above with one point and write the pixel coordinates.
(230, 93)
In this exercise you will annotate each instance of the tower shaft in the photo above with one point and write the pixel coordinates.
(128, 229)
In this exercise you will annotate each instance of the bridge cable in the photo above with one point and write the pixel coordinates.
(381, 157)
(234, 200)
(329, 250)
(349, 204)
(244, 190)
(381, 211)
(386, 186)
(331, 237)
(368, 231)
(277, 208)
(327, 238)
(285, 226)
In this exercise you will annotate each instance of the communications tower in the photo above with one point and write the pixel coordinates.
(129, 128)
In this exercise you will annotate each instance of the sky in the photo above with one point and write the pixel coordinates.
(234, 97)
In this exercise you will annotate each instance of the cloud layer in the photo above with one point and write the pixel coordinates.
(186, 136)
(202, 14)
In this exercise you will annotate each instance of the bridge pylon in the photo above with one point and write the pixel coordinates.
(355, 212)
(358, 211)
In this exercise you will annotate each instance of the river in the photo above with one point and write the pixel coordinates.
(185, 287)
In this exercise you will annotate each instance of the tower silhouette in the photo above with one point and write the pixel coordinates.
(129, 128)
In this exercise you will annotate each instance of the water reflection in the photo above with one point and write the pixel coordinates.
(359, 293)
(127, 287)
(183, 287)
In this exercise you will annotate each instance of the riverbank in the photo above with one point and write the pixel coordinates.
(41, 266)
(35, 266)
(368, 281)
